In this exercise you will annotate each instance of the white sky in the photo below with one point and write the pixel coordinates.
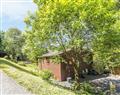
(14, 11)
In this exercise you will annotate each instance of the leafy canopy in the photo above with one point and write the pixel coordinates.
(13, 42)
(61, 24)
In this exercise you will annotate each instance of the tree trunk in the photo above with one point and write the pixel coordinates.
(71, 59)
(76, 59)
(77, 73)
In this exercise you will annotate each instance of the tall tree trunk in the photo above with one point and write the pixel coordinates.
(72, 59)
(77, 73)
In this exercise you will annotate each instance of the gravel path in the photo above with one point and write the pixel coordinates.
(9, 87)
(104, 83)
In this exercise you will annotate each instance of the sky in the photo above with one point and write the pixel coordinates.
(13, 12)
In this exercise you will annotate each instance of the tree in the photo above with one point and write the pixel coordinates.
(1, 41)
(13, 42)
(32, 46)
(75, 24)
(106, 44)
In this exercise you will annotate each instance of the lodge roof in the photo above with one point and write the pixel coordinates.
(55, 53)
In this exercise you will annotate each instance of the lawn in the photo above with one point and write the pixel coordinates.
(27, 77)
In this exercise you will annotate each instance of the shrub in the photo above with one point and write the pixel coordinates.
(76, 86)
(99, 67)
(86, 88)
(46, 74)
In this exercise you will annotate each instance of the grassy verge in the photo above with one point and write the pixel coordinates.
(26, 77)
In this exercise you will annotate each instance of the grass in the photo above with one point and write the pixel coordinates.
(28, 77)
(28, 69)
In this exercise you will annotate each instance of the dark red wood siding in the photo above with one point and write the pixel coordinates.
(59, 71)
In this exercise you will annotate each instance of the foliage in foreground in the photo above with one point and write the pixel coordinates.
(86, 88)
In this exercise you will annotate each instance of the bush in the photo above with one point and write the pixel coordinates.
(46, 74)
(76, 86)
(99, 67)
(86, 88)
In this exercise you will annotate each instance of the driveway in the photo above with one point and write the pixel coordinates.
(9, 87)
